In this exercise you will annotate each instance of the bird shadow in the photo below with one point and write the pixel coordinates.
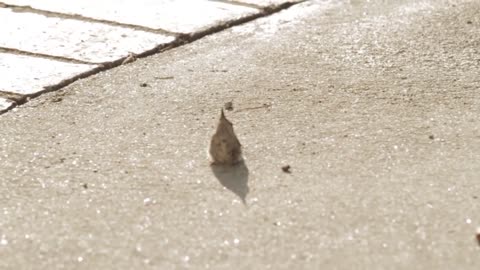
(234, 178)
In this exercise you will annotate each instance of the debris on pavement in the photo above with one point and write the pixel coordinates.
(57, 99)
(143, 84)
(225, 148)
(286, 169)
(478, 235)
(164, 78)
(17, 99)
(130, 58)
(229, 106)
(263, 106)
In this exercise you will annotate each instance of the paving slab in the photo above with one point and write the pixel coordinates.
(183, 16)
(74, 39)
(28, 75)
(375, 110)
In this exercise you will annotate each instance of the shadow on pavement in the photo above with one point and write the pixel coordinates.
(234, 178)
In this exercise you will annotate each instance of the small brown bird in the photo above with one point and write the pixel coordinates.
(225, 149)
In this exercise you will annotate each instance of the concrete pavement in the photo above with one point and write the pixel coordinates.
(374, 105)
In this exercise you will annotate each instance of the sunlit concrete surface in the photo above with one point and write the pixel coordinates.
(374, 105)
(92, 32)
(27, 75)
(184, 16)
(86, 41)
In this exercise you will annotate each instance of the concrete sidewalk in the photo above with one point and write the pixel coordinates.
(375, 106)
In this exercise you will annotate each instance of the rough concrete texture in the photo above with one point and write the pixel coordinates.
(375, 107)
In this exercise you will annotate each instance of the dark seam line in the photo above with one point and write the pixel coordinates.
(236, 3)
(46, 56)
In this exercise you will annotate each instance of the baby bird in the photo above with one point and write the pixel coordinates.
(225, 149)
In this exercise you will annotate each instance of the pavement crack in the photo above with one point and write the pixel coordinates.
(47, 56)
(237, 3)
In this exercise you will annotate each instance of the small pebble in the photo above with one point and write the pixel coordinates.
(478, 235)
(57, 99)
(85, 186)
(229, 106)
(129, 59)
(431, 137)
(143, 85)
(286, 169)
